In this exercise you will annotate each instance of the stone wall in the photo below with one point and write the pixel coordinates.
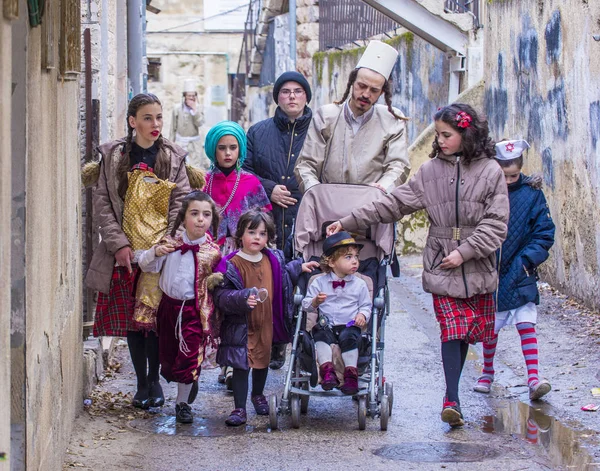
(46, 347)
(5, 242)
(107, 21)
(541, 76)
(307, 35)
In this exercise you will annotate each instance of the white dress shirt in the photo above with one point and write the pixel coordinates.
(342, 304)
(179, 272)
(357, 121)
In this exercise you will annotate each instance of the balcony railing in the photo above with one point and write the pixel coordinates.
(345, 21)
(464, 6)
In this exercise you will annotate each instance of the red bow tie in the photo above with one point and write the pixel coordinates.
(185, 247)
(339, 284)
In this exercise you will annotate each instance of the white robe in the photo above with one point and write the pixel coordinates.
(334, 153)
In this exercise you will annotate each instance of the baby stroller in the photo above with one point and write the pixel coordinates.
(320, 206)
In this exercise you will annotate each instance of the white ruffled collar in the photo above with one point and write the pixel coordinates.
(251, 258)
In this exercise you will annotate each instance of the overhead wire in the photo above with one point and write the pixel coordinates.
(245, 5)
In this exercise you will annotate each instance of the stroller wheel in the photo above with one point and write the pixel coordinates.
(295, 411)
(304, 399)
(389, 392)
(384, 412)
(273, 418)
(362, 412)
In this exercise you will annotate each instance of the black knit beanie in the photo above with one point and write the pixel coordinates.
(291, 76)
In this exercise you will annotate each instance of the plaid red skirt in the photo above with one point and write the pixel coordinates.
(114, 311)
(471, 319)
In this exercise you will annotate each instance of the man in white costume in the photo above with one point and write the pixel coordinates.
(185, 125)
(356, 140)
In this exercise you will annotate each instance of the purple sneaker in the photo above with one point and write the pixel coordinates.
(261, 406)
(236, 418)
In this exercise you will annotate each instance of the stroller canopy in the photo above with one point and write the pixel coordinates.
(326, 203)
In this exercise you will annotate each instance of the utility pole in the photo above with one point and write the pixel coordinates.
(136, 47)
(293, 33)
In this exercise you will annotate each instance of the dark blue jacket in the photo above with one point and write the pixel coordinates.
(273, 148)
(230, 298)
(530, 236)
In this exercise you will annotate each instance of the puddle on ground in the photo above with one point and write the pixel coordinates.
(472, 354)
(201, 427)
(436, 452)
(562, 445)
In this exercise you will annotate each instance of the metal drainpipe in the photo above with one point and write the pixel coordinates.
(135, 45)
(293, 33)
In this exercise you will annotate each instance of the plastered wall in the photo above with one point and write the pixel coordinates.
(542, 84)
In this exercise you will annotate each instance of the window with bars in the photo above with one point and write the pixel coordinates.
(154, 64)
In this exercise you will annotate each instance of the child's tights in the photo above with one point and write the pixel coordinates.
(143, 348)
(240, 385)
(529, 347)
(324, 354)
(454, 354)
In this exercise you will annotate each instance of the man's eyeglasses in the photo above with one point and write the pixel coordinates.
(286, 93)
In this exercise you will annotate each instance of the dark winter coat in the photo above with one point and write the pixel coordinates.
(530, 236)
(230, 298)
(273, 148)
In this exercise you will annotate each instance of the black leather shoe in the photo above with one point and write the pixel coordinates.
(183, 413)
(193, 392)
(141, 400)
(157, 397)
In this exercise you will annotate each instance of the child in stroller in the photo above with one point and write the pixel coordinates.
(343, 303)
(320, 205)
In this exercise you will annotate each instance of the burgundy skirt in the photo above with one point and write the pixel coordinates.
(471, 319)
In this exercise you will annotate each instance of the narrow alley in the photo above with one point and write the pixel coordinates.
(158, 159)
(504, 431)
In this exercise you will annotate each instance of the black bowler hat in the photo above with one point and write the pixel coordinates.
(338, 240)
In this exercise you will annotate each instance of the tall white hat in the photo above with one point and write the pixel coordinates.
(508, 150)
(379, 57)
(189, 86)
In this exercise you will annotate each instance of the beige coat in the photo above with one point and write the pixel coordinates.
(378, 153)
(108, 208)
(480, 211)
(186, 132)
(184, 124)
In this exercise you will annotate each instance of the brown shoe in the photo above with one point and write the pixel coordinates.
(350, 386)
(328, 377)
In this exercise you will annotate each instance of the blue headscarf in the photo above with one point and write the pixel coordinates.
(225, 128)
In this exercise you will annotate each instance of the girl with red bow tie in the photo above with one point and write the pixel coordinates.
(185, 316)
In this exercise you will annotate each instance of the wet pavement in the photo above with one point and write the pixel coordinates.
(503, 430)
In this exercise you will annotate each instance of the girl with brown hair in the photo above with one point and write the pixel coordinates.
(462, 189)
(256, 302)
(113, 270)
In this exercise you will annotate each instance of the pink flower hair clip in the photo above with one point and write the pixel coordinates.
(463, 120)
